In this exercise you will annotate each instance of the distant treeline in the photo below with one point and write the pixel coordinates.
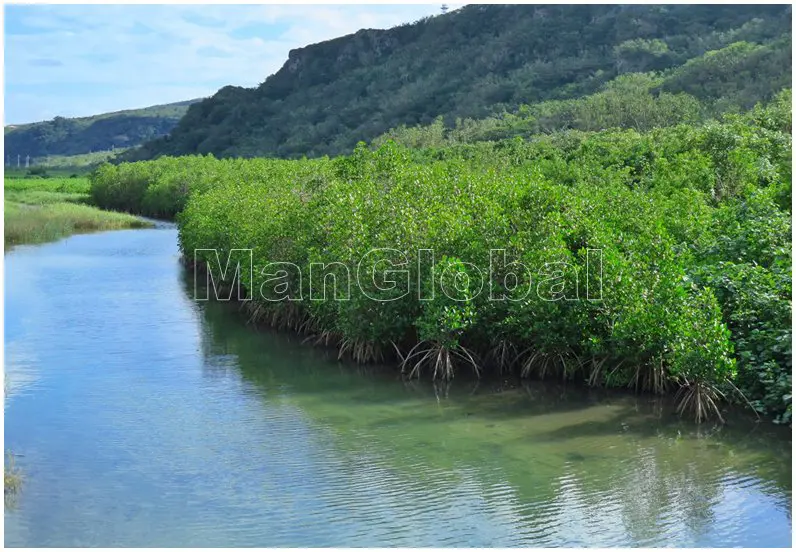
(85, 135)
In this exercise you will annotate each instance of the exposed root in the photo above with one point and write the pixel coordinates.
(327, 338)
(441, 388)
(309, 325)
(284, 316)
(735, 388)
(699, 399)
(440, 358)
(596, 370)
(361, 351)
(397, 351)
(541, 363)
(292, 316)
(254, 311)
(650, 377)
(502, 356)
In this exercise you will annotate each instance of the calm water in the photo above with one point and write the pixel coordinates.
(143, 418)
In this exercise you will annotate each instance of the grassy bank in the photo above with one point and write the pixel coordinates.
(38, 210)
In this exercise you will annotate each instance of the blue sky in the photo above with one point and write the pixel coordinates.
(83, 60)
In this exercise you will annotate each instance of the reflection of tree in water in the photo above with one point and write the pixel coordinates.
(662, 496)
(652, 488)
(12, 481)
(646, 500)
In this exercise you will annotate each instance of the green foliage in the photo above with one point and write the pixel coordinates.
(640, 101)
(49, 185)
(640, 55)
(749, 267)
(484, 60)
(126, 187)
(735, 77)
(81, 163)
(37, 171)
(691, 289)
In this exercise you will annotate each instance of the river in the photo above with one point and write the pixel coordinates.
(140, 417)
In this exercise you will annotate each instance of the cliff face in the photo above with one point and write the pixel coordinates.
(321, 64)
(467, 63)
(362, 48)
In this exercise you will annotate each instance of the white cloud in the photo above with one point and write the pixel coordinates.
(83, 60)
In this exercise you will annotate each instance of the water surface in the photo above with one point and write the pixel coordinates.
(143, 418)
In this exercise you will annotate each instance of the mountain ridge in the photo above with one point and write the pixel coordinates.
(105, 131)
(471, 62)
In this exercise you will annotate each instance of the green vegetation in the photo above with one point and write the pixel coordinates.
(674, 64)
(64, 166)
(78, 162)
(22, 189)
(38, 210)
(86, 135)
(12, 479)
(658, 135)
(693, 222)
(635, 100)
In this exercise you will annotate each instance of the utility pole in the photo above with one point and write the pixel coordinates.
(444, 8)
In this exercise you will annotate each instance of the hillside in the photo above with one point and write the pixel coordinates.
(82, 135)
(482, 60)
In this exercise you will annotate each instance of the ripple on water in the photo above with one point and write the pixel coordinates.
(155, 420)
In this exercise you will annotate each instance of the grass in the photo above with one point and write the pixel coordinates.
(39, 191)
(56, 185)
(79, 161)
(48, 172)
(63, 165)
(38, 210)
(42, 197)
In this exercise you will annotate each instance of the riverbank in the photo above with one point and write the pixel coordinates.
(38, 210)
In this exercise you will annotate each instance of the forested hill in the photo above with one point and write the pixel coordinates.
(72, 136)
(481, 60)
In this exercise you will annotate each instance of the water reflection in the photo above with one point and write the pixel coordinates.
(155, 420)
(575, 467)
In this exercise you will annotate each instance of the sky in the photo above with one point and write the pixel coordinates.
(80, 60)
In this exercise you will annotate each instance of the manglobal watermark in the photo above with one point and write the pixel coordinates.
(386, 274)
